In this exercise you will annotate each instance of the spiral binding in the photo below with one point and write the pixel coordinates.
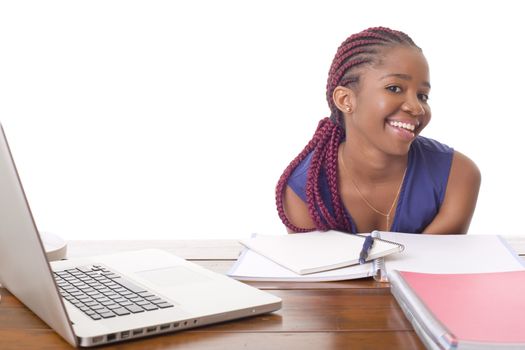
(378, 265)
(376, 235)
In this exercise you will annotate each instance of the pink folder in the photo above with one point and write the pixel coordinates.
(478, 307)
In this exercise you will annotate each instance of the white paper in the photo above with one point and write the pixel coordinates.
(254, 267)
(314, 252)
(451, 253)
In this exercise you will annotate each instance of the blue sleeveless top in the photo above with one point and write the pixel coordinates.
(422, 191)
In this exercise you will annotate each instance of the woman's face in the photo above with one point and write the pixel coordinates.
(390, 107)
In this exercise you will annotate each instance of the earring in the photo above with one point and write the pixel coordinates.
(348, 108)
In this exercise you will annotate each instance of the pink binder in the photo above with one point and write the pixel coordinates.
(475, 308)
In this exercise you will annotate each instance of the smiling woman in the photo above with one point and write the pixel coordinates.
(367, 168)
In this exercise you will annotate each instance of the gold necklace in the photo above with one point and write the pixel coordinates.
(386, 215)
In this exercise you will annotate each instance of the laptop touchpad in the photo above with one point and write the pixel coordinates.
(172, 276)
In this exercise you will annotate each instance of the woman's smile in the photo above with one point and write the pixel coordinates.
(404, 130)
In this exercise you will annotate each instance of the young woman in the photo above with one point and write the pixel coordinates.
(366, 167)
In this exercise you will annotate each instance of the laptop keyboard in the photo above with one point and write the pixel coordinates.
(101, 293)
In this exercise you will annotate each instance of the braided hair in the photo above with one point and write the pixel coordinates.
(359, 50)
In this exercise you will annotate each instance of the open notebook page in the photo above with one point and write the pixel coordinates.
(452, 253)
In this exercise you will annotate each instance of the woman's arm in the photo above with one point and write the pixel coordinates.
(460, 198)
(296, 210)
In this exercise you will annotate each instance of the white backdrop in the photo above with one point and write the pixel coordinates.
(174, 119)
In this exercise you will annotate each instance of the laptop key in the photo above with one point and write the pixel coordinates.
(134, 308)
(164, 305)
(84, 268)
(121, 311)
(102, 311)
(152, 298)
(107, 314)
(95, 316)
(92, 303)
(149, 307)
(127, 284)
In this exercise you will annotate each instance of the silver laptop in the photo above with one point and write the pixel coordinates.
(105, 299)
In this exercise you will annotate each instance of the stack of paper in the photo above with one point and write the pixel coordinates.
(312, 252)
(422, 253)
(252, 266)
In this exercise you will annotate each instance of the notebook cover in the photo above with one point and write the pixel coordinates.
(478, 308)
(251, 266)
(311, 252)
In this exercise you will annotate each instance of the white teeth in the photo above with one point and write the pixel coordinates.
(407, 126)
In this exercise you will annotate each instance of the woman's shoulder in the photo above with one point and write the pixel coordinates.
(458, 159)
(425, 144)
(464, 168)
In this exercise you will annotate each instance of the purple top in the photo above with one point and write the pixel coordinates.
(422, 192)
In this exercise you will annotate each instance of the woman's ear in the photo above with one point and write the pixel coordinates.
(344, 99)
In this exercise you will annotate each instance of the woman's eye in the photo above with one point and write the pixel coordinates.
(394, 88)
(423, 97)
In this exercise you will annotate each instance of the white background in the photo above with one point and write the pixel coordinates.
(153, 119)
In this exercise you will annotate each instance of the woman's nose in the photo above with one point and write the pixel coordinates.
(413, 107)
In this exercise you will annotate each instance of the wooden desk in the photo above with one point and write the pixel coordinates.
(358, 314)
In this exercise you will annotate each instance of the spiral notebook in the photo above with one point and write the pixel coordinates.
(251, 266)
(422, 253)
(315, 252)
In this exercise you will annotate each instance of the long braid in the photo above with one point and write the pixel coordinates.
(313, 191)
(323, 129)
(358, 50)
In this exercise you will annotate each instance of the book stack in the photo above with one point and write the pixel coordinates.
(333, 256)
(309, 257)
